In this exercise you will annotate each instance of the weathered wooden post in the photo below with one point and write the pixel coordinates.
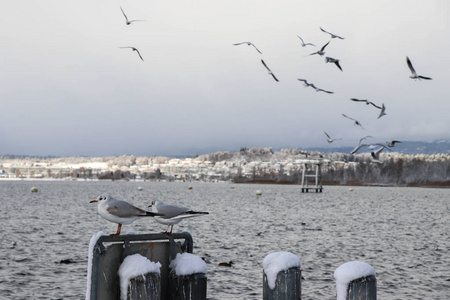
(355, 280)
(140, 279)
(281, 277)
(187, 279)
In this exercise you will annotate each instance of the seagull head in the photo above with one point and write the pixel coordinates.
(102, 197)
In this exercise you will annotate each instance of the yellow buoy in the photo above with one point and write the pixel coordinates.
(34, 189)
(258, 193)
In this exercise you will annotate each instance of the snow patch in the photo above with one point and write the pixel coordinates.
(350, 271)
(187, 264)
(277, 262)
(133, 266)
(92, 243)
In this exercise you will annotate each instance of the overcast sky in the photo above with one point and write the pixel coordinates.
(66, 88)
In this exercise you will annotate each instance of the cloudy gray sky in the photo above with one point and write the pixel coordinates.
(66, 88)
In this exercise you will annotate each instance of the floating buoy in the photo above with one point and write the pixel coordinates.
(139, 188)
(190, 187)
(258, 193)
(350, 189)
(34, 189)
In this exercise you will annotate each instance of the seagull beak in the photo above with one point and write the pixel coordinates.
(93, 201)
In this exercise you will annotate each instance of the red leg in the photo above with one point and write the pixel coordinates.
(118, 230)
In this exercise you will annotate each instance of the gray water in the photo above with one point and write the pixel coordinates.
(402, 232)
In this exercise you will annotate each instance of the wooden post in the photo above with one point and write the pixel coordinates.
(287, 285)
(364, 288)
(145, 287)
(187, 287)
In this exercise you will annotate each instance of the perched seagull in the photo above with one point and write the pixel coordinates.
(329, 139)
(414, 74)
(270, 72)
(118, 211)
(392, 143)
(321, 52)
(366, 137)
(305, 44)
(172, 214)
(249, 44)
(356, 122)
(368, 145)
(128, 22)
(134, 49)
(333, 60)
(332, 35)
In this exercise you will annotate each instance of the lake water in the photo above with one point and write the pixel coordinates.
(402, 232)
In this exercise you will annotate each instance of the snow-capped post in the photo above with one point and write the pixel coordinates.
(282, 276)
(355, 280)
(187, 279)
(139, 278)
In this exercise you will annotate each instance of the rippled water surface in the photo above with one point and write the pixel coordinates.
(402, 232)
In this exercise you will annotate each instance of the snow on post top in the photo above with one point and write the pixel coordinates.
(276, 262)
(348, 272)
(92, 243)
(133, 266)
(187, 264)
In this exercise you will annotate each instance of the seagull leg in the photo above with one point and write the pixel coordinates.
(118, 230)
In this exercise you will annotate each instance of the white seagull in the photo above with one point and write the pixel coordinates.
(321, 52)
(305, 44)
(414, 74)
(392, 143)
(356, 121)
(118, 211)
(249, 44)
(383, 111)
(382, 107)
(333, 60)
(172, 214)
(371, 146)
(128, 22)
(134, 49)
(329, 139)
(332, 35)
(270, 72)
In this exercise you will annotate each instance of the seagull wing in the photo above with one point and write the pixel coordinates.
(322, 90)
(369, 102)
(265, 65)
(124, 14)
(337, 64)
(276, 79)
(357, 148)
(324, 46)
(426, 78)
(138, 53)
(349, 117)
(303, 80)
(358, 100)
(410, 66)
(327, 135)
(256, 48)
(303, 43)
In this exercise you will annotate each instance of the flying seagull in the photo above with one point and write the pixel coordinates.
(128, 22)
(134, 49)
(321, 52)
(371, 146)
(270, 72)
(305, 44)
(414, 74)
(333, 60)
(329, 139)
(356, 121)
(172, 214)
(382, 107)
(376, 155)
(249, 44)
(392, 143)
(118, 211)
(332, 35)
